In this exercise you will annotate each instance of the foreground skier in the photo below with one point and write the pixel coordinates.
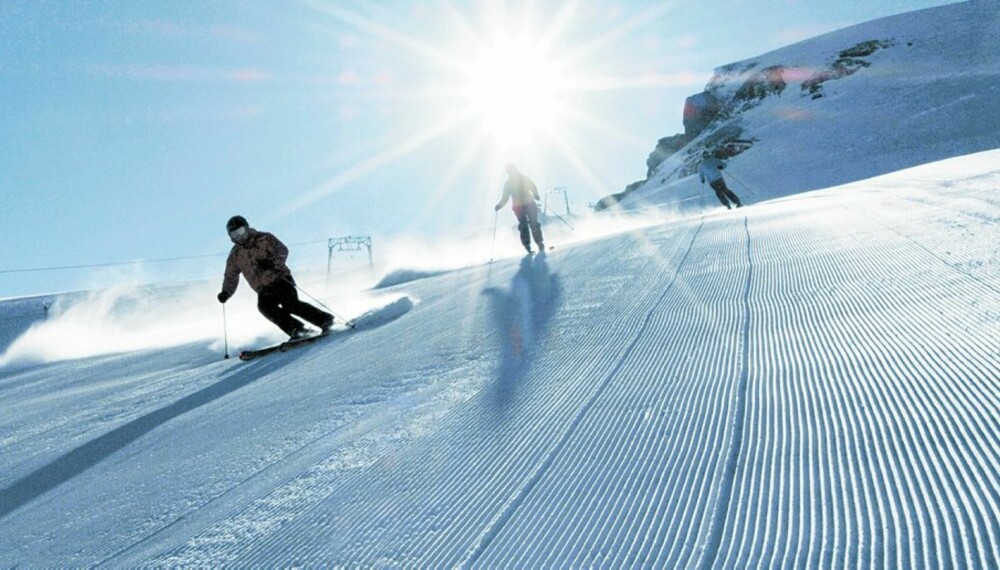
(523, 193)
(260, 257)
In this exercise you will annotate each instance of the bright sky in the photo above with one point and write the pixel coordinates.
(133, 130)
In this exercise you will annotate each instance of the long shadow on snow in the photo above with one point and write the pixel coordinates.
(75, 462)
(522, 316)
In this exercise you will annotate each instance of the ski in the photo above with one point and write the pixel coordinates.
(283, 347)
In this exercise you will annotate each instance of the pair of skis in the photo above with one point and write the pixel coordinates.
(283, 347)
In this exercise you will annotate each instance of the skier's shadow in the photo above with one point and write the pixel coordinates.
(75, 462)
(522, 318)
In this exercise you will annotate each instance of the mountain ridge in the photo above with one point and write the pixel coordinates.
(914, 88)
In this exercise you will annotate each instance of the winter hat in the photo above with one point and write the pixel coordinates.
(236, 222)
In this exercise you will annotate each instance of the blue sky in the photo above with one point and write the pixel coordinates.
(133, 130)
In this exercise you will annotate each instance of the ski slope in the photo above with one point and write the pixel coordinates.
(810, 381)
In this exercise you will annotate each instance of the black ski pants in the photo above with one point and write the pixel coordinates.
(527, 219)
(724, 194)
(280, 301)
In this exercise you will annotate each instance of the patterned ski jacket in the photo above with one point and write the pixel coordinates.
(710, 170)
(261, 260)
(520, 189)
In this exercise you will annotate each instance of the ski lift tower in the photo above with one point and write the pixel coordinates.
(348, 243)
(556, 190)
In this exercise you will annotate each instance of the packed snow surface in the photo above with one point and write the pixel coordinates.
(807, 381)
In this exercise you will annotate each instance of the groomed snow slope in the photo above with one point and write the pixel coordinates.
(809, 381)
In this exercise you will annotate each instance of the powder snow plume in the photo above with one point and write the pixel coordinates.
(133, 318)
(120, 319)
(411, 258)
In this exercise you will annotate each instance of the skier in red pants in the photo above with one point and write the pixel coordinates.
(523, 193)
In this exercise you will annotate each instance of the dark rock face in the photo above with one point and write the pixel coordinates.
(664, 148)
(847, 63)
(700, 110)
(610, 201)
(766, 82)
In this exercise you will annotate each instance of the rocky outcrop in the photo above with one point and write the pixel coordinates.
(847, 63)
(700, 110)
(759, 86)
(610, 201)
(732, 91)
(665, 147)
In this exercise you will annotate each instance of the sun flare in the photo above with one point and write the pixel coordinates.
(513, 88)
(506, 97)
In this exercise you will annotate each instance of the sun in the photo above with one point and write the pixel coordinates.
(513, 88)
(499, 83)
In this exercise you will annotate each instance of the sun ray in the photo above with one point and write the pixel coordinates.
(363, 24)
(573, 157)
(368, 166)
(581, 117)
(457, 19)
(450, 177)
(644, 18)
(514, 86)
(558, 24)
(582, 84)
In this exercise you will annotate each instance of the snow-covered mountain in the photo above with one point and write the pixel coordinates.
(849, 105)
(810, 381)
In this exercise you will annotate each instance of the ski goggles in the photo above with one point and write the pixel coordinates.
(239, 234)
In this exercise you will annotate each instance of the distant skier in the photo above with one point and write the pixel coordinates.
(260, 257)
(523, 193)
(711, 171)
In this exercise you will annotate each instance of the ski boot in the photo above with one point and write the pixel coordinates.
(298, 334)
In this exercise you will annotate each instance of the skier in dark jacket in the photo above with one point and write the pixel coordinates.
(523, 193)
(260, 258)
(711, 171)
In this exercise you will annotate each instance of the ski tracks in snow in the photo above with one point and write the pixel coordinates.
(736, 438)
(871, 436)
(505, 515)
(634, 481)
(825, 394)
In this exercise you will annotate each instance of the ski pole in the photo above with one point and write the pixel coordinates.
(306, 293)
(494, 246)
(225, 332)
(563, 220)
(741, 182)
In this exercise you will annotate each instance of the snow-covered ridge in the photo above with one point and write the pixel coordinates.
(849, 105)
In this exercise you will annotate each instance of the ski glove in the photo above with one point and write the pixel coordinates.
(497, 208)
(223, 297)
(265, 264)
